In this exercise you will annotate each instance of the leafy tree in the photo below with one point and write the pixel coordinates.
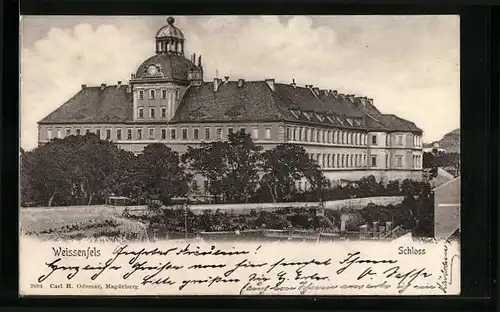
(159, 173)
(231, 167)
(284, 165)
(45, 175)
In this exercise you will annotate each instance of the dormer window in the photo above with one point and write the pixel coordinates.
(349, 121)
(320, 118)
(329, 119)
(357, 122)
(307, 115)
(340, 121)
(294, 114)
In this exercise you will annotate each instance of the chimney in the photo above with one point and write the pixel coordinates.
(132, 76)
(119, 84)
(370, 101)
(194, 58)
(293, 84)
(341, 95)
(326, 92)
(129, 89)
(241, 82)
(216, 84)
(226, 78)
(316, 90)
(334, 92)
(84, 86)
(270, 83)
(199, 61)
(103, 85)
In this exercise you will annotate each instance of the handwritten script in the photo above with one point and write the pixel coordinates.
(374, 268)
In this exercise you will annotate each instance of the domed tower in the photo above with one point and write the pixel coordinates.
(160, 81)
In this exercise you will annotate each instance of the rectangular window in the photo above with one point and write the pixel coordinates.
(58, 133)
(229, 131)
(399, 140)
(399, 161)
(139, 134)
(152, 113)
(151, 133)
(77, 131)
(152, 94)
(140, 112)
(163, 112)
(288, 134)
(306, 134)
(177, 94)
(294, 133)
(49, 134)
(387, 161)
(184, 134)
(173, 135)
(207, 133)
(68, 131)
(318, 136)
(218, 134)
(323, 163)
(163, 134)
(129, 134)
(268, 133)
(374, 139)
(196, 134)
(98, 133)
(118, 134)
(163, 94)
(108, 134)
(374, 161)
(242, 130)
(87, 131)
(255, 133)
(141, 95)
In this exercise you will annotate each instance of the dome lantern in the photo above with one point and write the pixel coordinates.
(169, 39)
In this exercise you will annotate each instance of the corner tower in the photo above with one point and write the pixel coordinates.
(160, 81)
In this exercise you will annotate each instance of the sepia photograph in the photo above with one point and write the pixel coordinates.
(262, 142)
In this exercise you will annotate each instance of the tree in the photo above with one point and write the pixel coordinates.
(159, 173)
(74, 170)
(284, 165)
(231, 167)
(45, 174)
(243, 164)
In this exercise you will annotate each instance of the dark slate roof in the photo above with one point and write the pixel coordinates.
(171, 66)
(93, 105)
(254, 101)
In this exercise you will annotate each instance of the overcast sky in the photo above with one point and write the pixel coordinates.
(409, 65)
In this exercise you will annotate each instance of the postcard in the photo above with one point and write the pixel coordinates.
(240, 155)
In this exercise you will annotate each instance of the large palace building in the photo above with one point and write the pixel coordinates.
(168, 101)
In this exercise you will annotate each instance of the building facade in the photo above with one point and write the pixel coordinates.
(168, 101)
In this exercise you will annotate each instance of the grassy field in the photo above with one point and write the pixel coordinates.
(79, 222)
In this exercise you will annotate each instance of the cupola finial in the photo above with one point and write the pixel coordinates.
(170, 20)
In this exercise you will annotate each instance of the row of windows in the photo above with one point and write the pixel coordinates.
(185, 134)
(152, 112)
(339, 160)
(153, 94)
(325, 136)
